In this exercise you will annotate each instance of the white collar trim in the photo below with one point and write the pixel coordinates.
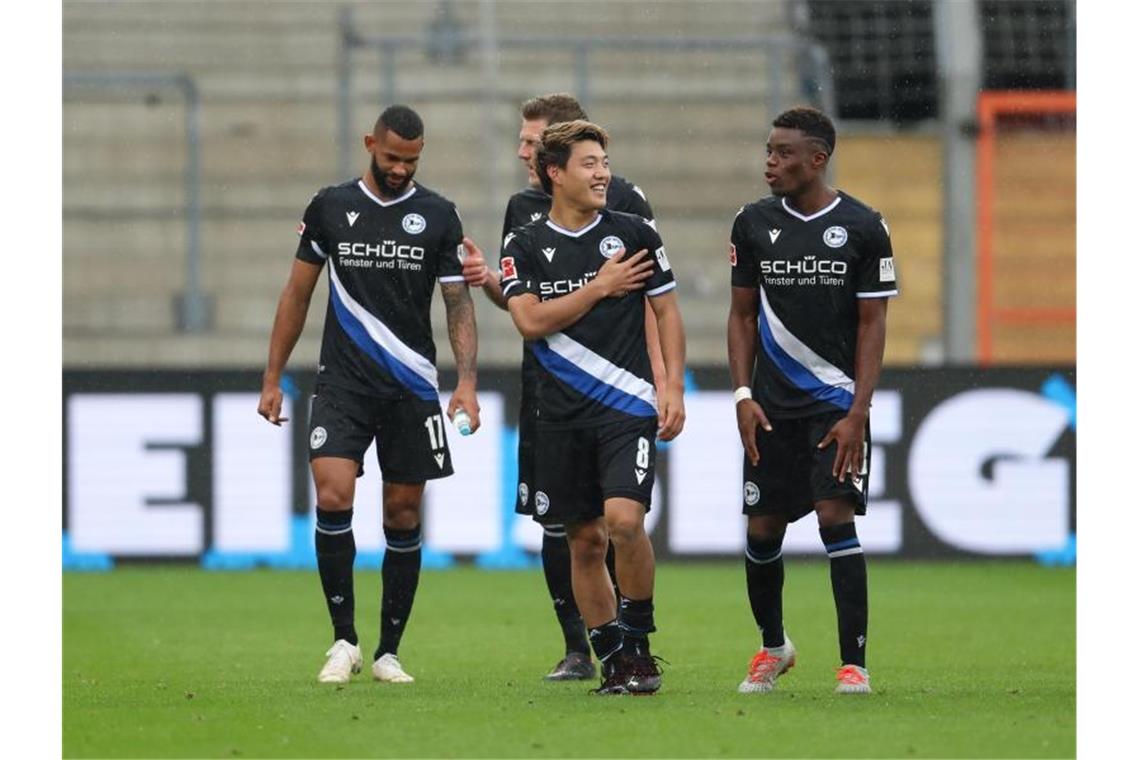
(574, 233)
(816, 215)
(364, 188)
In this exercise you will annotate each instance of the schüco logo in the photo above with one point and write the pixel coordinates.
(562, 287)
(809, 265)
(386, 250)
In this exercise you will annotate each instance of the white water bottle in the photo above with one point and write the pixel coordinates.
(462, 421)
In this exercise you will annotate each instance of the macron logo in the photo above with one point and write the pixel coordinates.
(548, 253)
(640, 475)
(536, 216)
(773, 234)
(439, 459)
(352, 217)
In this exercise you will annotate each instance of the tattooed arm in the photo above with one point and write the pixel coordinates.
(465, 346)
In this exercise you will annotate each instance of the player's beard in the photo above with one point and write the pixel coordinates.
(381, 178)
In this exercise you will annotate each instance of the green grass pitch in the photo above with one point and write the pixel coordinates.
(967, 660)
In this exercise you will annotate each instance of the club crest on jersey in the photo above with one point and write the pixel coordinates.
(541, 503)
(508, 267)
(751, 493)
(732, 254)
(414, 224)
(524, 493)
(835, 237)
(318, 437)
(610, 245)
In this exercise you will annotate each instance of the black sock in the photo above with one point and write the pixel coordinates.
(336, 551)
(849, 585)
(556, 569)
(636, 616)
(764, 573)
(401, 575)
(606, 640)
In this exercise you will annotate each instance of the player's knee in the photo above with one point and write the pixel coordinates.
(334, 497)
(588, 545)
(401, 515)
(625, 528)
(767, 529)
(834, 512)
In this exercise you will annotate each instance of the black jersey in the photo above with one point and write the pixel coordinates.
(385, 258)
(596, 370)
(531, 204)
(810, 272)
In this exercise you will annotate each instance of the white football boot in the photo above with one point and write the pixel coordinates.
(388, 669)
(344, 660)
(767, 666)
(853, 680)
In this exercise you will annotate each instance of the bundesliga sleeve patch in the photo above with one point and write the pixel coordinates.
(732, 254)
(662, 260)
(508, 267)
(886, 270)
(300, 229)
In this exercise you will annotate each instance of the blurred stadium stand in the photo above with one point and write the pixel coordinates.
(688, 127)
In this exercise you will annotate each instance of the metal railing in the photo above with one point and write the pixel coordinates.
(811, 60)
(192, 306)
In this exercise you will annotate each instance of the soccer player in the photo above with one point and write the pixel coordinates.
(527, 205)
(578, 297)
(812, 269)
(387, 240)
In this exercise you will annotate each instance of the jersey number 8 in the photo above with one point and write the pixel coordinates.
(643, 453)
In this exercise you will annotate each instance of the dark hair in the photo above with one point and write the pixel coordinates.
(555, 108)
(558, 142)
(402, 120)
(812, 122)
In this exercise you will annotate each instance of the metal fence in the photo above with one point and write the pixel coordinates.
(192, 306)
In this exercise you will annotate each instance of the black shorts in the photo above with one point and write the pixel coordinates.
(793, 474)
(577, 469)
(528, 423)
(411, 443)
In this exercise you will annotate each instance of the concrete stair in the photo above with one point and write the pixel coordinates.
(689, 128)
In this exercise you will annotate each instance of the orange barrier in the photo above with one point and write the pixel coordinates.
(992, 106)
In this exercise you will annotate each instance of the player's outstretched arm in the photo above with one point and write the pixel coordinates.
(742, 338)
(464, 345)
(477, 275)
(849, 432)
(618, 276)
(671, 415)
(292, 308)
